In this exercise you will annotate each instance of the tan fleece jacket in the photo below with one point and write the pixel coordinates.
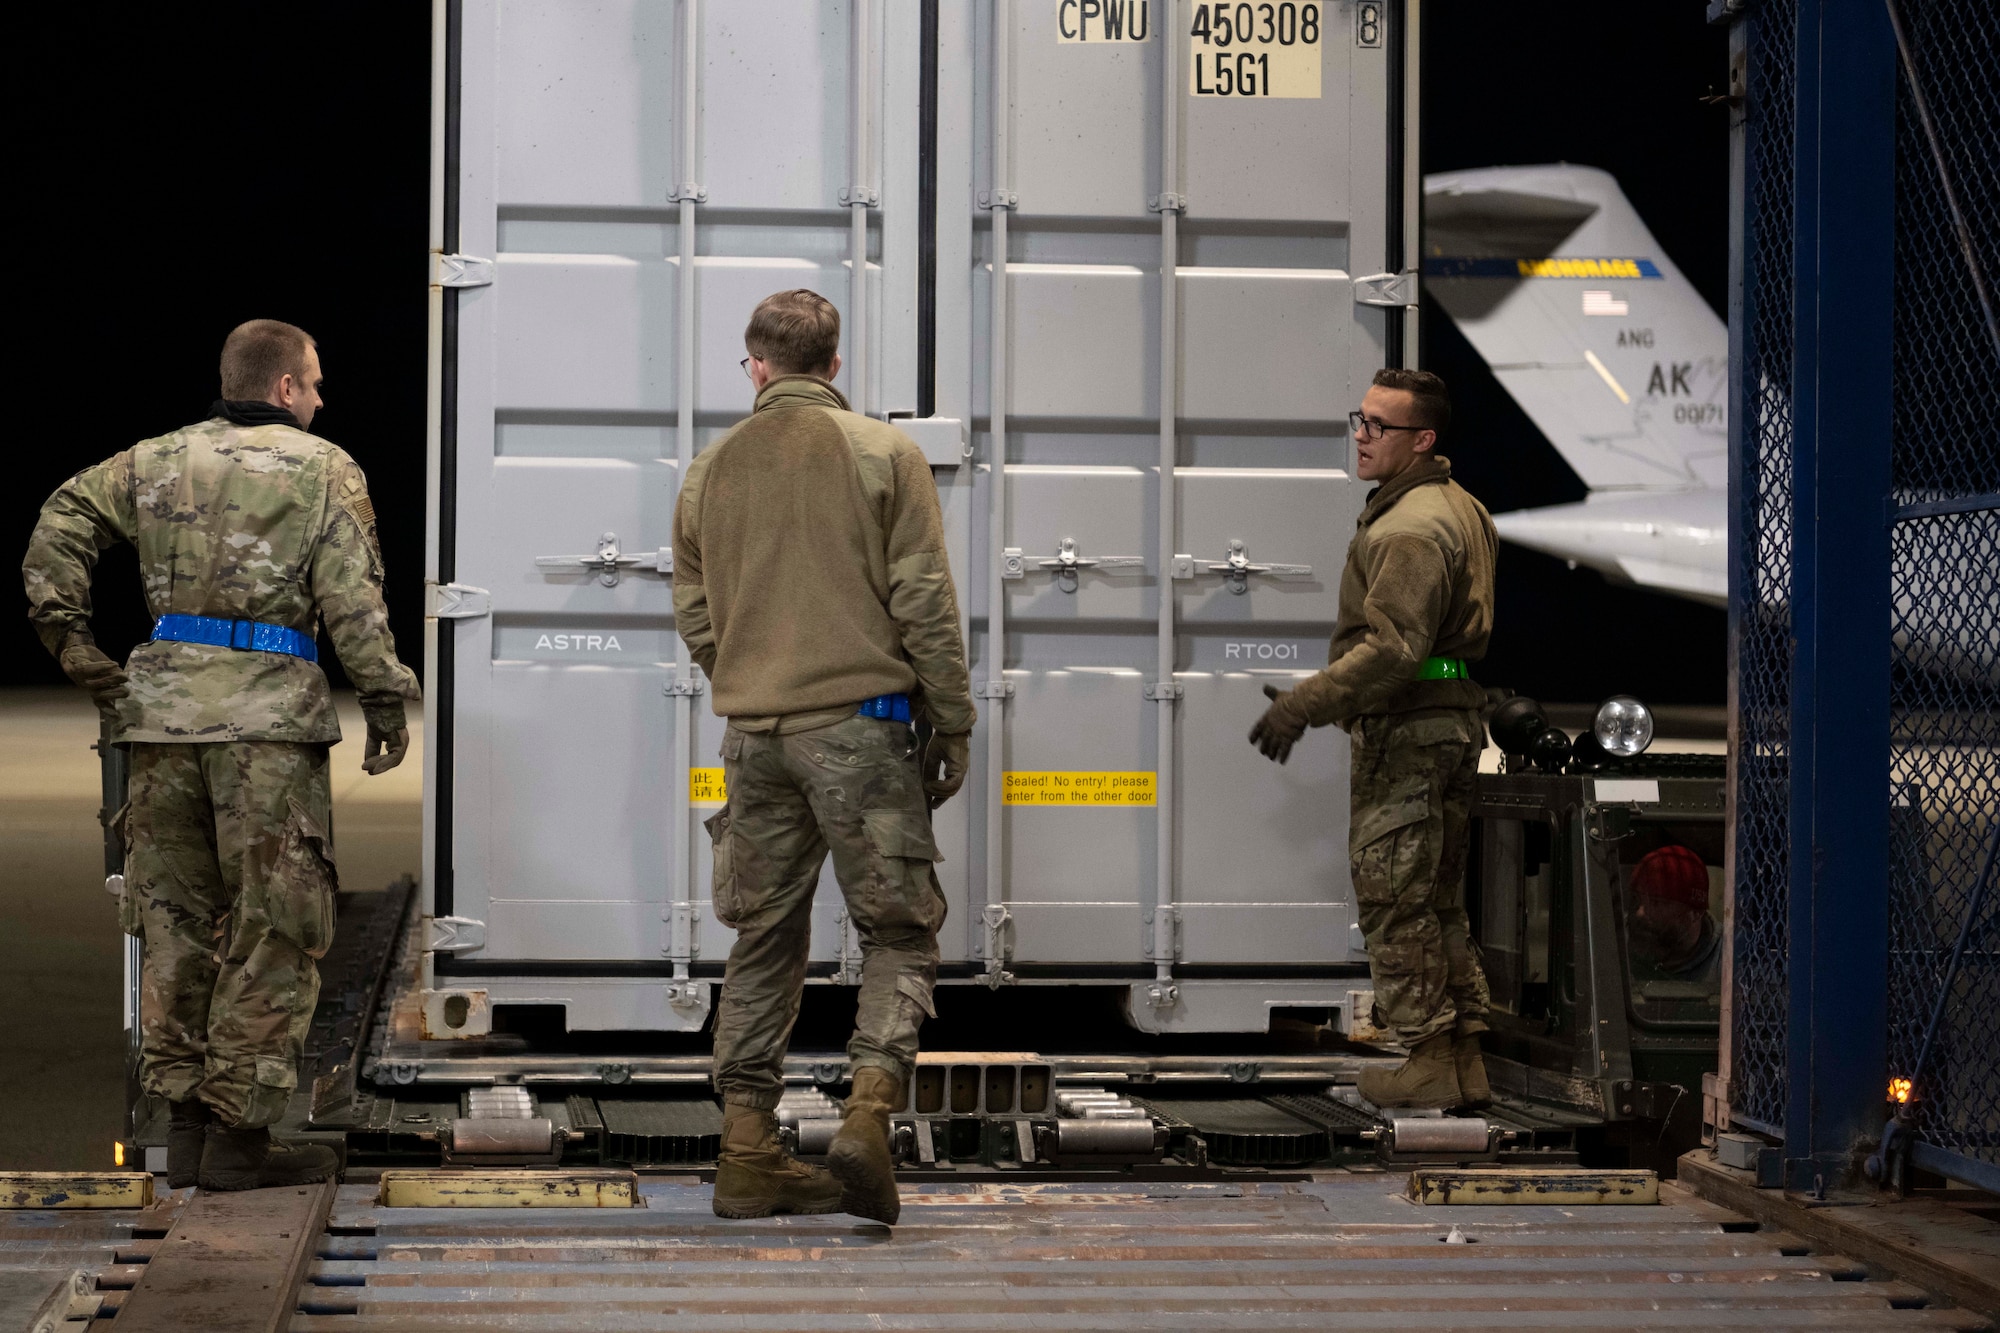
(810, 570)
(1418, 583)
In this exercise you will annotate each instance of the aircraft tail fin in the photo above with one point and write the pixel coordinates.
(1554, 279)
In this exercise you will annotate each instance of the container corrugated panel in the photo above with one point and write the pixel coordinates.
(1179, 207)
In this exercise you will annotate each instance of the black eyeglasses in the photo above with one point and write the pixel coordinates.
(1372, 429)
(745, 363)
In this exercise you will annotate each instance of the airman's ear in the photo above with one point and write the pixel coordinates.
(1426, 439)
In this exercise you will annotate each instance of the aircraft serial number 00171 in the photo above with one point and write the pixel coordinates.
(1255, 50)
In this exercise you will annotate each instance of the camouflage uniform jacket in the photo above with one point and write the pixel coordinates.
(264, 523)
(1418, 583)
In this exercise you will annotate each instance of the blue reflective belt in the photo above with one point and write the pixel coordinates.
(244, 635)
(890, 707)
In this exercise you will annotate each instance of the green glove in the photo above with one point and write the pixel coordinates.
(946, 758)
(1280, 727)
(384, 752)
(83, 662)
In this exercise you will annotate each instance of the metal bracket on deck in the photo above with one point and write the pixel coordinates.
(460, 270)
(456, 601)
(455, 934)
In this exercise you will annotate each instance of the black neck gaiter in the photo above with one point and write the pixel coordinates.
(246, 412)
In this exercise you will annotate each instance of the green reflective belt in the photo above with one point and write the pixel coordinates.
(1443, 668)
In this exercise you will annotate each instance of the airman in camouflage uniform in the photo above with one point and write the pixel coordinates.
(1416, 605)
(229, 866)
(812, 587)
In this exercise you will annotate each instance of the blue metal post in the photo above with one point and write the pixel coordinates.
(1844, 269)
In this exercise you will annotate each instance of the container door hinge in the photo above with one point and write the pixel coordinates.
(994, 689)
(1163, 934)
(690, 687)
(1167, 203)
(455, 934)
(460, 271)
(850, 950)
(998, 946)
(999, 199)
(1163, 691)
(692, 191)
(1387, 289)
(456, 601)
(680, 930)
(859, 196)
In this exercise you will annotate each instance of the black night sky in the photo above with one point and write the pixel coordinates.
(178, 169)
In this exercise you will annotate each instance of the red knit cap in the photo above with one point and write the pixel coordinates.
(1672, 874)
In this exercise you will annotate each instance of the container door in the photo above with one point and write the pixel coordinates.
(1274, 186)
(574, 774)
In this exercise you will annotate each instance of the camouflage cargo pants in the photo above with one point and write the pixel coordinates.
(852, 788)
(1413, 778)
(229, 878)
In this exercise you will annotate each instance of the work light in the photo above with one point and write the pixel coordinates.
(1624, 726)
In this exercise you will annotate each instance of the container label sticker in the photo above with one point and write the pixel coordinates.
(1078, 789)
(1266, 49)
(1080, 21)
(705, 787)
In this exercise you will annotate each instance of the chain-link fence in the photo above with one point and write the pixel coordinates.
(1763, 557)
(1944, 960)
(1943, 789)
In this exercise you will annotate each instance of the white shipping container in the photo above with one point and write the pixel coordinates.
(1135, 258)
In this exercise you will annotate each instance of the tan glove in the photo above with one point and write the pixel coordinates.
(85, 663)
(946, 757)
(1280, 727)
(385, 752)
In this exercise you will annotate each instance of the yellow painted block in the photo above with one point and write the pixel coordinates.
(75, 1189)
(1528, 1185)
(1079, 789)
(492, 1188)
(705, 787)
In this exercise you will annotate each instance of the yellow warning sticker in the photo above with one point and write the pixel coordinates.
(1079, 789)
(705, 787)
(1255, 50)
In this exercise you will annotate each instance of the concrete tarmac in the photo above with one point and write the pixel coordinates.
(62, 1040)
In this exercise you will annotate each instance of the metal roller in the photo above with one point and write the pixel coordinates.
(816, 1136)
(1437, 1134)
(511, 1137)
(1104, 1136)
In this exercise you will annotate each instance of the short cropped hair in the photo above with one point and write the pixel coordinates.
(797, 332)
(1432, 399)
(257, 353)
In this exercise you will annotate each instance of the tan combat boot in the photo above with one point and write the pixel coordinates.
(1428, 1079)
(755, 1177)
(1471, 1063)
(860, 1153)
